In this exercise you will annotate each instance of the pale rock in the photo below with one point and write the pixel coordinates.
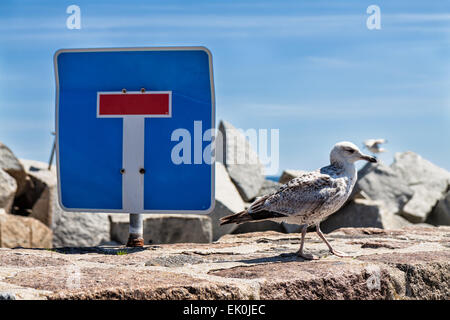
(268, 187)
(18, 231)
(428, 182)
(79, 229)
(70, 229)
(8, 187)
(11, 165)
(380, 182)
(43, 190)
(240, 160)
(441, 213)
(288, 175)
(228, 202)
(361, 213)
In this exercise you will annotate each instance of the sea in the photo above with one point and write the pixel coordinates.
(273, 178)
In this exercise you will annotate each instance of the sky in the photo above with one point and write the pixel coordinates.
(311, 69)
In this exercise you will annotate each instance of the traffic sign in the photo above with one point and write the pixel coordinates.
(116, 114)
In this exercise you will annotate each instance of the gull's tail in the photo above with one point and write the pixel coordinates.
(239, 217)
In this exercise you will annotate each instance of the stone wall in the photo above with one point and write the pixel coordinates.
(408, 263)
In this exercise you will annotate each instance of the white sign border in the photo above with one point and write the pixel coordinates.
(213, 115)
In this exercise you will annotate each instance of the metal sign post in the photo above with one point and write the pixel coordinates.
(52, 153)
(136, 231)
(119, 115)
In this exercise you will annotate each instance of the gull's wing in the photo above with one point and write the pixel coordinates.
(300, 196)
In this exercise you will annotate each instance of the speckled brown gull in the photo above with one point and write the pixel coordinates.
(311, 197)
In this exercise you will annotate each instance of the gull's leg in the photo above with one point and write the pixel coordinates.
(300, 253)
(333, 251)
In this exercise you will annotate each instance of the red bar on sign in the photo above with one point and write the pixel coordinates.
(134, 104)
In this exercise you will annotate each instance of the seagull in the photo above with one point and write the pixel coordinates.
(309, 198)
(373, 145)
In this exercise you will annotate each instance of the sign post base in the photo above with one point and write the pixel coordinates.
(136, 233)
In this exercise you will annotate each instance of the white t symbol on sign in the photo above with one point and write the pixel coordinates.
(133, 107)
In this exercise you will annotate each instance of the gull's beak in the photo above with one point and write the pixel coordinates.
(368, 158)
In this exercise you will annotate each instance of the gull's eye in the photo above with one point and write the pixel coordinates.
(350, 150)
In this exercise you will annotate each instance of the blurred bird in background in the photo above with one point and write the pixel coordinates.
(373, 145)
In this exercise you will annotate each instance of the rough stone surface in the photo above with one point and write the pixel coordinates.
(363, 213)
(10, 164)
(288, 175)
(408, 263)
(8, 187)
(380, 182)
(242, 163)
(441, 213)
(228, 202)
(428, 182)
(18, 231)
(165, 228)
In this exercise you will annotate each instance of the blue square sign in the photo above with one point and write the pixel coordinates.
(134, 129)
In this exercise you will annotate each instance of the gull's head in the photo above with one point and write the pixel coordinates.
(347, 152)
